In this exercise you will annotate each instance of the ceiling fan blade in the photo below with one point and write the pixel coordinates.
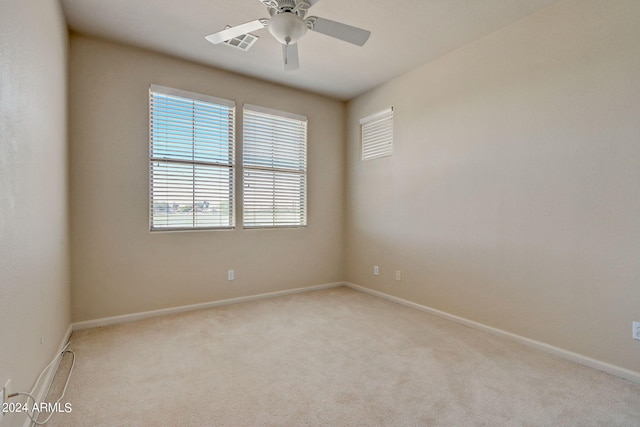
(338, 30)
(239, 30)
(290, 56)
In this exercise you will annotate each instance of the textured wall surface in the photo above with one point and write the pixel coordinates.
(118, 266)
(513, 194)
(34, 244)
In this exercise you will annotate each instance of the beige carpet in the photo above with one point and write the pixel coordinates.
(335, 358)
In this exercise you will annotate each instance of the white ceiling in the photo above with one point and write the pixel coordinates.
(405, 34)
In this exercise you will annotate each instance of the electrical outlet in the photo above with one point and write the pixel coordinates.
(4, 396)
(5, 391)
(376, 270)
(398, 275)
(636, 331)
(231, 275)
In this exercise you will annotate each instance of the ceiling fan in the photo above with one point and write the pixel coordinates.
(288, 23)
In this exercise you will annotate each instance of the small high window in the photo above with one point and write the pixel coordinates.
(377, 135)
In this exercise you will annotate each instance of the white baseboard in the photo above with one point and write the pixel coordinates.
(45, 383)
(556, 351)
(547, 348)
(106, 321)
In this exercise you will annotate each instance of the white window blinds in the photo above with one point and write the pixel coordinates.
(191, 160)
(275, 168)
(377, 135)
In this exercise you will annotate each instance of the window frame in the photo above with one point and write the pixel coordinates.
(376, 135)
(203, 165)
(301, 169)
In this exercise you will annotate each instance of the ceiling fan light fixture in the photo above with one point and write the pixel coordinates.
(287, 27)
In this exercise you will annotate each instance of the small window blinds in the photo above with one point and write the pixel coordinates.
(275, 168)
(377, 135)
(191, 160)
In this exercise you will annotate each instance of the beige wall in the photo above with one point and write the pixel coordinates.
(34, 247)
(513, 195)
(118, 266)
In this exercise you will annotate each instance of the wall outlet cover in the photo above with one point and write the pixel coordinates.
(5, 392)
(4, 396)
(636, 331)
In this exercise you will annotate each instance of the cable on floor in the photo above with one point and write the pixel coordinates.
(35, 413)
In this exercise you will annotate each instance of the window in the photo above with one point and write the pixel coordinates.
(191, 160)
(275, 168)
(377, 135)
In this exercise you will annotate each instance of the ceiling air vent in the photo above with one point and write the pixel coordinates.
(243, 42)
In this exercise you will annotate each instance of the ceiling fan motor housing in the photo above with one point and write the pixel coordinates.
(286, 4)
